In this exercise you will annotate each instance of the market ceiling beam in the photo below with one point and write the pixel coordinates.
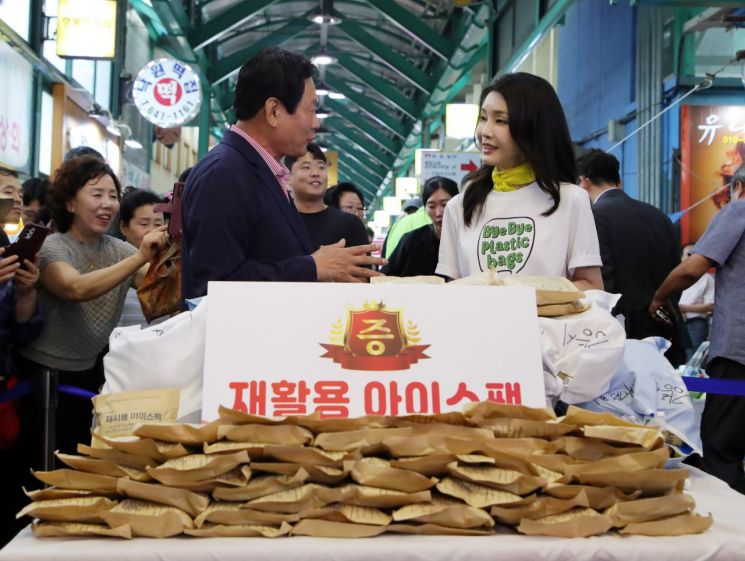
(173, 16)
(390, 92)
(374, 167)
(362, 102)
(395, 61)
(413, 26)
(340, 126)
(469, 34)
(350, 174)
(230, 19)
(225, 67)
(363, 126)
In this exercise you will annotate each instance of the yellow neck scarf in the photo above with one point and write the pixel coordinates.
(507, 180)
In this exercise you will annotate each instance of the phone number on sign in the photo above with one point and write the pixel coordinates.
(329, 398)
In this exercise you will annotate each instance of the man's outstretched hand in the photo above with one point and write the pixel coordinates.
(338, 263)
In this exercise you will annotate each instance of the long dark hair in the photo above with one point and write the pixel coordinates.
(539, 128)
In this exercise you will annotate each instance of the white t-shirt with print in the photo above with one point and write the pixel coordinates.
(511, 235)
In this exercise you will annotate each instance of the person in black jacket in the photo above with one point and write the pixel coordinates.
(639, 248)
(326, 224)
(417, 252)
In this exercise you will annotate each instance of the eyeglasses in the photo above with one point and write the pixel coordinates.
(352, 208)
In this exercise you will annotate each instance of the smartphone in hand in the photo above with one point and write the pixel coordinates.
(29, 242)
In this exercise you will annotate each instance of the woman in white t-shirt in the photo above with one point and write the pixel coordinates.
(521, 213)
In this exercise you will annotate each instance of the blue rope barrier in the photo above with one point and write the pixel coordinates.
(77, 392)
(715, 386)
(24, 387)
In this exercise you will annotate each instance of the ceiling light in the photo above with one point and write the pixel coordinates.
(324, 149)
(322, 89)
(325, 19)
(323, 114)
(132, 143)
(323, 59)
(337, 95)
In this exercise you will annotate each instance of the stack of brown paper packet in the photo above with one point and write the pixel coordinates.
(555, 296)
(464, 473)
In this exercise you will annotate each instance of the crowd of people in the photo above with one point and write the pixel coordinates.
(258, 207)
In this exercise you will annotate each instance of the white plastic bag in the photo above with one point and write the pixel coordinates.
(648, 390)
(582, 352)
(167, 355)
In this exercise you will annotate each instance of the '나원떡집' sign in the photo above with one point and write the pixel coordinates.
(277, 349)
(167, 92)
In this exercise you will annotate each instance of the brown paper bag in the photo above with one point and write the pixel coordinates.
(557, 310)
(116, 457)
(286, 435)
(233, 514)
(541, 507)
(498, 478)
(197, 467)
(649, 482)
(315, 474)
(349, 513)
(54, 493)
(150, 520)
(435, 465)
(361, 495)
(158, 451)
(71, 479)
(181, 433)
(307, 497)
(239, 531)
(328, 529)
(474, 495)
(626, 463)
(524, 428)
(598, 497)
(65, 529)
(76, 509)
(117, 414)
(673, 526)
(102, 467)
(261, 486)
(191, 503)
(577, 523)
(646, 510)
(436, 530)
(491, 410)
(444, 512)
(375, 472)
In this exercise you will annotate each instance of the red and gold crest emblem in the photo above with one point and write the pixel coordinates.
(375, 338)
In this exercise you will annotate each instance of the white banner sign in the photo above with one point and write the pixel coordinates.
(278, 349)
(15, 108)
(167, 92)
(453, 165)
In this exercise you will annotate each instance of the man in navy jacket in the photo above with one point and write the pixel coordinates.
(239, 220)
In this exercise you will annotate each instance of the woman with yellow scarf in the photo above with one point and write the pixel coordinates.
(520, 212)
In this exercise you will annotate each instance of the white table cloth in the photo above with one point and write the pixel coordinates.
(725, 541)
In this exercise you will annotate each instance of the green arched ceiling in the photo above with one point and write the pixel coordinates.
(398, 63)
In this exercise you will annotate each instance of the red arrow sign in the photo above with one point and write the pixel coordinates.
(470, 166)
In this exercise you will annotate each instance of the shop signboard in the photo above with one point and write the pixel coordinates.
(453, 165)
(15, 108)
(712, 148)
(86, 29)
(345, 350)
(167, 92)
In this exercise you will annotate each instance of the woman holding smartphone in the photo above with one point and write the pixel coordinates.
(85, 275)
(520, 212)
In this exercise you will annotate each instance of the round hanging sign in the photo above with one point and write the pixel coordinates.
(167, 92)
